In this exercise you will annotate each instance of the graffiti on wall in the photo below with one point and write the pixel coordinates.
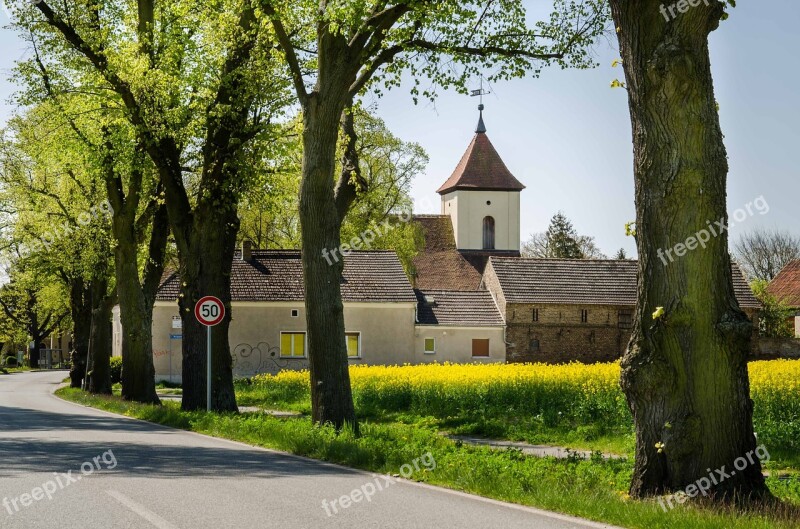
(249, 360)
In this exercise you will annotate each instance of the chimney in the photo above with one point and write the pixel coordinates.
(247, 250)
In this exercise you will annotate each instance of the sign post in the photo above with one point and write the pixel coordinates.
(209, 311)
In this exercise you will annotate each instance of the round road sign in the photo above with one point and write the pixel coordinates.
(209, 311)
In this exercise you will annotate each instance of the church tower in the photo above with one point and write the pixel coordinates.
(482, 198)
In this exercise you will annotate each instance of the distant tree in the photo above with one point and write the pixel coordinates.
(537, 246)
(34, 305)
(774, 317)
(621, 254)
(763, 253)
(589, 249)
(561, 241)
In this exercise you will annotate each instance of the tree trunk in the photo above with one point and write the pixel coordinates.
(136, 299)
(331, 395)
(685, 372)
(205, 270)
(81, 308)
(99, 372)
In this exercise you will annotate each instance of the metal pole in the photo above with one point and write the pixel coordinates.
(208, 362)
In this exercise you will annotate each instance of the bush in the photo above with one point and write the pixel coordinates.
(116, 369)
(10, 361)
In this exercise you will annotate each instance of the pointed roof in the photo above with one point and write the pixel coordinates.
(481, 168)
(786, 285)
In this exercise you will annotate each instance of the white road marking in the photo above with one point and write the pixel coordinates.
(150, 516)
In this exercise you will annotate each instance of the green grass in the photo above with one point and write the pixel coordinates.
(593, 489)
(9, 370)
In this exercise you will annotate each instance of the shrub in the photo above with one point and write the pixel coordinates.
(10, 361)
(116, 369)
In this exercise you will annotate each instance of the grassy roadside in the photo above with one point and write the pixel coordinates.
(10, 370)
(592, 489)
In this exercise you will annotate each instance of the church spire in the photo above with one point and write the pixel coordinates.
(481, 128)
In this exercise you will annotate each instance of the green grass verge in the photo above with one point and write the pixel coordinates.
(592, 489)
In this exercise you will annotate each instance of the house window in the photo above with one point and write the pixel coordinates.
(535, 346)
(480, 347)
(293, 345)
(295, 313)
(535, 315)
(353, 344)
(625, 319)
(488, 233)
(584, 316)
(430, 345)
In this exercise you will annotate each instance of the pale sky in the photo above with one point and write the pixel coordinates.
(567, 135)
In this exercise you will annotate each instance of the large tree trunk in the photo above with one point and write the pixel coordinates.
(685, 372)
(205, 270)
(99, 372)
(331, 395)
(136, 316)
(81, 308)
(136, 297)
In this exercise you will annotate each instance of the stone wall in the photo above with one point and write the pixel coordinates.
(778, 347)
(561, 335)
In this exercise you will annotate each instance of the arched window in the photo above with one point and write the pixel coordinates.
(488, 233)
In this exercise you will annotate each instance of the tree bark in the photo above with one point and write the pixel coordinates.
(205, 270)
(321, 221)
(685, 372)
(99, 372)
(81, 308)
(136, 297)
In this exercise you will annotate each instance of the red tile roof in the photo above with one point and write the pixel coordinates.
(439, 265)
(786, 285)
(481, 169)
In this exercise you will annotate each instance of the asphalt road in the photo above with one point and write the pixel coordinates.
(140, 475)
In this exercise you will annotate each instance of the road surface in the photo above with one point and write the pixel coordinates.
(67, 466)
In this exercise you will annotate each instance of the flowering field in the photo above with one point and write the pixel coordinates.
(574, 394)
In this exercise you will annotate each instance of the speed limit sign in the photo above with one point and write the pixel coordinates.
(209, 311)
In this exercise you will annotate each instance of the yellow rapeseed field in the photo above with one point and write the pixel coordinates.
(573, 394)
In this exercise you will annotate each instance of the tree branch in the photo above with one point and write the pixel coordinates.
(289, 51)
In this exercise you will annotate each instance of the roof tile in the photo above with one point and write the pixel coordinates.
(583, 281)
(481, 168)
(786, 285)
(277, 275)
(456, 308)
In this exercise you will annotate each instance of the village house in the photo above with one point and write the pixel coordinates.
(470, 298)
(785, 287)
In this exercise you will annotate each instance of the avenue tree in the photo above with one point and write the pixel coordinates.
(194, 80)
(335, 51)
(685, 370)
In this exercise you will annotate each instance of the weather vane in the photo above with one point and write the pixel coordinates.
(480, 92)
